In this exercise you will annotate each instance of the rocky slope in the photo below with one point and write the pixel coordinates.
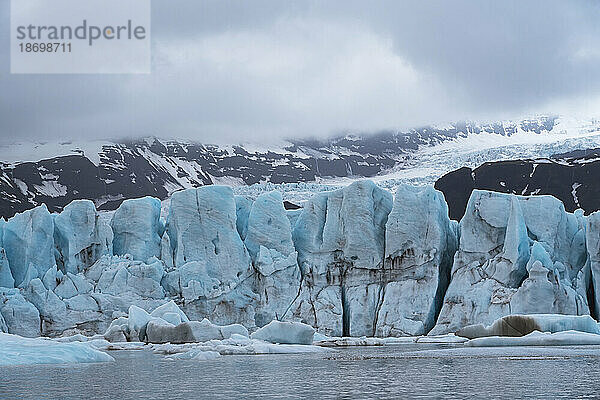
(571, 177)
(109, 172)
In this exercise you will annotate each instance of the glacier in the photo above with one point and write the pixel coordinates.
(356, 261)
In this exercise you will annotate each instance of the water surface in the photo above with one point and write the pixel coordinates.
(360, 372)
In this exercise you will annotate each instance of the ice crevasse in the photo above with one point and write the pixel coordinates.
(357, 261)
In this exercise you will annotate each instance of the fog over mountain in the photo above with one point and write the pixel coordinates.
(55, 173)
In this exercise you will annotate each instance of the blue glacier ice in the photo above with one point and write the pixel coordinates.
(243, 206)
(137, 228)
(420, 241)
(593, 248)
(354, 261)
(268, 226)
(274, 258)
(80, 236)
(340, 239)
(28, 240)
(516, 254)
(6, 278)
(202, 227)
(16, 350)
(20, 316)
(210, 260)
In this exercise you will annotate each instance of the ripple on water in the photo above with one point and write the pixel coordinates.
(402, 371)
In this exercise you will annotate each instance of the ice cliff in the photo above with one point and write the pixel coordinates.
(517, 255)
(357, 261)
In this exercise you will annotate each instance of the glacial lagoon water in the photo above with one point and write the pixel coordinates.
(359, 372)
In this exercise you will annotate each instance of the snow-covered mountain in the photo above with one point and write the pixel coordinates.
(108, 172)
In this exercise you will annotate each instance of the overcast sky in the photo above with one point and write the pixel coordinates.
(261, 70)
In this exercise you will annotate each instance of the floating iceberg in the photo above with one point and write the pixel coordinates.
(236, 345)
(505, 353)
(167, 324)
(442, 339)
(563, 338)
(387, 341)
(196, 355)
(285, 333)
(17, 350)
(160, 331)
(363, 341)
(521, 325)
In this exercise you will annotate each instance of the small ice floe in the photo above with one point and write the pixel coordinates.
(362, 341)
(285, 333)
(442, 339)
(521, 325)
(235, 345)
(565, 338)
(17, 350)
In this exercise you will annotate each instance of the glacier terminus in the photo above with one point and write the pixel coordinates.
(356, 261)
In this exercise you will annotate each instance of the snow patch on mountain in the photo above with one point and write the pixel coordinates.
(35, 151)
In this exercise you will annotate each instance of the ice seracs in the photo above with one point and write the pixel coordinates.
(125, 278)
(373, 267)
(80, 237)
(234, 260)
(506, 243)
(6, 278)
(420, 241)
(356, 261)
(593, 248)
(268, 226)
(137, 228)
(209, 257)
(276, 278)
(340, 239)
(28, 240)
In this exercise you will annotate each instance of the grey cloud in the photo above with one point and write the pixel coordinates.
(239, 70)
